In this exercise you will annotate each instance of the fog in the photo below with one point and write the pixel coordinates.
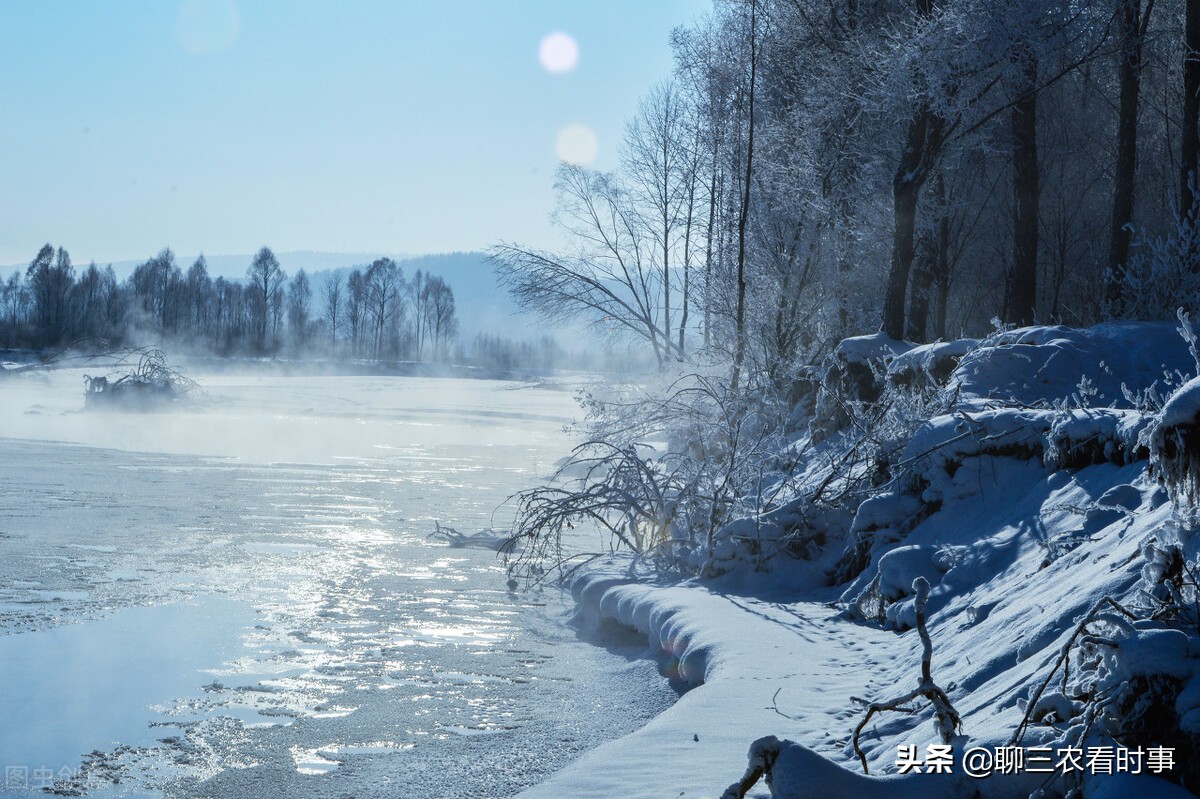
(265, 417)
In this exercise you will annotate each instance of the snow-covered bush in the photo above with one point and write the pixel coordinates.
(799, 529)
(1163, 271)
(663, 470)
(1129, 673)
(896, 571)
(936, 463)
(1080, 437)
(854, 378)
(929, 366)
(1174, 443)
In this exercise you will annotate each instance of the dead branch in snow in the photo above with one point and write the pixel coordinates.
(1093, 615)
(948, 722)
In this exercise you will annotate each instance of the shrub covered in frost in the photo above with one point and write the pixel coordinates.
(1174, 440)
(1083, 437)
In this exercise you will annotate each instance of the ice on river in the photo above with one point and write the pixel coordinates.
(240, 599)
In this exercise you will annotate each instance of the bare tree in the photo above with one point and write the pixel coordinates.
(299, 300)
(356, 304)
(1022, 284)
(332, 305)
(266, 284)
(384, 285)
(655, 158)
(611, 278)
(1190, 147)
(1132, 32)
(418, 295)
(442, 318)
(739, 355)
(199, 295)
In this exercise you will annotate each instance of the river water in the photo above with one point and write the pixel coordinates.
(241, 599)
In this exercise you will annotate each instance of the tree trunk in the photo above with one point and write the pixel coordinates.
(1126, 167)
(666, 243)
(905, 193)
(708, 255)
(922, 288)
(941, 263)
(923, 141)
(843, 269)
(1022, 298)
(687, 257)
(1190, 146)
(739, 356)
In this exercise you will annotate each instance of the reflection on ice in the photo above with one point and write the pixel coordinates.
(226, 622)
(81, 687)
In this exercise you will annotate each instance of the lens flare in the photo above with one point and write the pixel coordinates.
(558, 52)
(576, 144)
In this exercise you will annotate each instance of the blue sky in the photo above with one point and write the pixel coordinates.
(225, 125)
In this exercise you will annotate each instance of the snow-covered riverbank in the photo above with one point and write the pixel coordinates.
(1024, 515)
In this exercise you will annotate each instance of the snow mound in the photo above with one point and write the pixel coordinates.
(929, 365)
(1038, 365)
(1089, 436)
(1175, 444)
(799, 529)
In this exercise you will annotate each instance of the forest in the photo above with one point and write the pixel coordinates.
(816, 170)
(369, 311)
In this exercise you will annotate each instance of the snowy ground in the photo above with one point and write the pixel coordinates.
(1017, 546)
(240, 600)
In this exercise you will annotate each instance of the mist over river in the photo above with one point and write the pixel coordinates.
(239, 598)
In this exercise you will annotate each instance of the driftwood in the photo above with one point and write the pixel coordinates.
(484, 539)
(150, 384)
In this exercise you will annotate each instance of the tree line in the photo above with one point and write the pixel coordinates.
(370, 311)
(815, 169)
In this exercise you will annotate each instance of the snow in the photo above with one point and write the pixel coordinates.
(777, 664)
(875, 348)
(1042, 364)
(1183, 408)
(934, 361)
(1024, 506)
(1168, 652)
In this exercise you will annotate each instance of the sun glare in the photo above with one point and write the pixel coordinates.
(558, 52)
(576, 144)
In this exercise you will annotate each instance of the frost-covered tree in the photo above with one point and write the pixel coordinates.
(265, 278)
(610, 277)
(441, 318)
(49, 278)
(299, 301)
(384, 288)
(333, 305)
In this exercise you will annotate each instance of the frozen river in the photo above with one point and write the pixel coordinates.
(240, 600)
